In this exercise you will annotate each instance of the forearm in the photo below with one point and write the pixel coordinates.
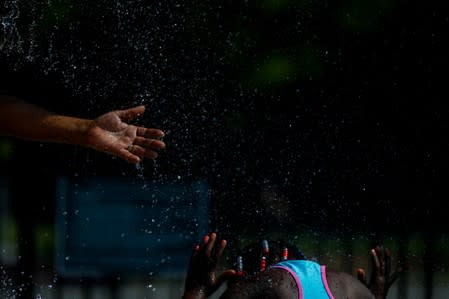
(24, 120)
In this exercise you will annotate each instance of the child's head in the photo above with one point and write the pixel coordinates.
(256, 281)
(257, 257)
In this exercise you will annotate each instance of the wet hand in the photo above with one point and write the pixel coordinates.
(381, 278)
(111, 134)
(201, 279)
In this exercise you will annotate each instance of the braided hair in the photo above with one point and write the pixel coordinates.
(259, 256)
(256, 258)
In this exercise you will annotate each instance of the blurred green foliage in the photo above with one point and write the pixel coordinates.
(275, 69)
(364, 16)
(416, 245)
(9, 231)
(44, 241)
(306, 63)
(6, 149)
(58, 13)
(273, 5)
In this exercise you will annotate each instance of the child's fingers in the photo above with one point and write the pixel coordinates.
(195, 251)
(199, 247)
(222, 247)
(211, 243)
(376, 261)
(362, 276)
(380, 252)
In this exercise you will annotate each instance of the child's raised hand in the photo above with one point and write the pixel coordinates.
(201, 279)
(381, 277)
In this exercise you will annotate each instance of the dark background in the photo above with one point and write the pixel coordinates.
(338, 107)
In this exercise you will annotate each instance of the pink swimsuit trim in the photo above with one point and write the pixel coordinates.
(324, 279)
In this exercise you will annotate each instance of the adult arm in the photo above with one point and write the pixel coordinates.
(108, 133)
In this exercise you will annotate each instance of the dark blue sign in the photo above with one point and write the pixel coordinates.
(115, 226)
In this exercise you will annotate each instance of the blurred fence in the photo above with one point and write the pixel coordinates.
(425, 256)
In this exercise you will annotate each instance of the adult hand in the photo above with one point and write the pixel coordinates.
(201, 279)
(111, 134)
(381, 277)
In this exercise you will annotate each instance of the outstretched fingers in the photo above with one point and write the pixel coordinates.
(131, 113)
(207, 245)
(376, 262)
(128, 156)
(201, 276)
(221, 248)
(381, 277)
(150, 133)
(210, 244)
(149, 143)
(140, 151)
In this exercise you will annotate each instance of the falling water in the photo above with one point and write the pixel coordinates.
(122, 53)
(8, 287)
(133, 54)
(10, 39)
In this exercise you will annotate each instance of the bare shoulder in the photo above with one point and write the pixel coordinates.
(346, 286)
(272, 284)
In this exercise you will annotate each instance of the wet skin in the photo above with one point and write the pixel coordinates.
(202, 280)
(109, 133)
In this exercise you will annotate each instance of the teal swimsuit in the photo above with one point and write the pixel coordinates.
(310, 278)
